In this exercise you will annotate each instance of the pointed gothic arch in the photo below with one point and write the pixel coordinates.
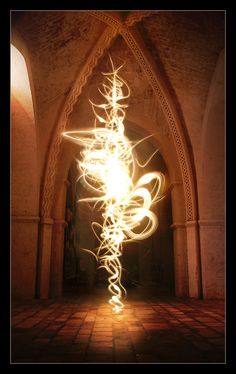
(184, 191)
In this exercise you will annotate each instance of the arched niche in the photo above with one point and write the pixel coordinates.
(24, 180)
(212, 186)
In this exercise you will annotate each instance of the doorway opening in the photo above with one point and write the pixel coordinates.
(148, 265)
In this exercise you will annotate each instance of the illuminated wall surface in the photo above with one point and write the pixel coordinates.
(109, 170)
(20, 86)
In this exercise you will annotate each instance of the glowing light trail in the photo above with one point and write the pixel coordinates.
(107, 169)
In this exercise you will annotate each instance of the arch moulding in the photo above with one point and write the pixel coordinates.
(135, 43)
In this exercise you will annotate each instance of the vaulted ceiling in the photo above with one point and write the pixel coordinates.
(183, 46)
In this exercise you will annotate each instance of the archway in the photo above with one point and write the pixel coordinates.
(185, 210)
(168, 246)
(212, 186)
(24, 181)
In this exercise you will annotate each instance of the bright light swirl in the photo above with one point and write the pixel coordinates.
(107, 169)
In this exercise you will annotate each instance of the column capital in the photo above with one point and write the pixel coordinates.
(178, 225)
(191, 224)
(46, 221)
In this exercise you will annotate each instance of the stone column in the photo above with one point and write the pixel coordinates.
(24, 234)
(57, 258)
(179, 239)
(59, 205)
(180, 259)
(194, 264)
(44, 258)
(212, 236)
(58, 231)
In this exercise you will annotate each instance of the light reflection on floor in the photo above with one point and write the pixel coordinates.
(84, 329)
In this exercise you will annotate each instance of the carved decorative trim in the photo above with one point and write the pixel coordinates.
(137, 16)
(106, 18)
(162, 96)
(114, 22)
(97, 52)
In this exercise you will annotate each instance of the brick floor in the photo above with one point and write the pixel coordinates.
(82, 328)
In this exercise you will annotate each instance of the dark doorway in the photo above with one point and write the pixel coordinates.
(148, 265)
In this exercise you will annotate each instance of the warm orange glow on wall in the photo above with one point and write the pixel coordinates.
(20, 86)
